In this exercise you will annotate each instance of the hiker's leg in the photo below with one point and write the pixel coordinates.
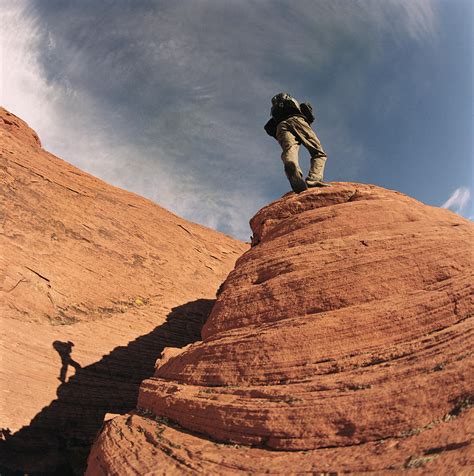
(289, 144)
(289, 156)
(312, 143)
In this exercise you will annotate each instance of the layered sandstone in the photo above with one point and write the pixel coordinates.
(341, 341)
(95, 282)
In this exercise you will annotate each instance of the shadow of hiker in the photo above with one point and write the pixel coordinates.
(64, 350)
(58, 439)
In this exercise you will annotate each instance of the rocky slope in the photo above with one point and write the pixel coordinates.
(95, 282)
(341, 341)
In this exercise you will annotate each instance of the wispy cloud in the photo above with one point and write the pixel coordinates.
(168, 99)
(458, 201)
(421, 18)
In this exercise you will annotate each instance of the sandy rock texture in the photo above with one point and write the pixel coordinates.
(342, 341)
(95, 282)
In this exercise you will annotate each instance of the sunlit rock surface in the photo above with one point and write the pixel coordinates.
(342, 341)
(95, 282)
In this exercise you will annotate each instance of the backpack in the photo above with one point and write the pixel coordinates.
(271, 128)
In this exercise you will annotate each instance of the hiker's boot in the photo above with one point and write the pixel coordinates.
(295, 177)
(316, 172)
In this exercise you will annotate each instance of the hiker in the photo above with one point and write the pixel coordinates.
(290, 126)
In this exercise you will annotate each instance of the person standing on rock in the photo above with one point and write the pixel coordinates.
(290, 126)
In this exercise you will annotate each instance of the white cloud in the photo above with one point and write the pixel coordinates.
(458, 201)
(22, 88)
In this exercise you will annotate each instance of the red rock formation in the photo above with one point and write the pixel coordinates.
(89, 264)
(342, 339)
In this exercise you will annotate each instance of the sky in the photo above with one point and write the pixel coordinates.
(168, 98)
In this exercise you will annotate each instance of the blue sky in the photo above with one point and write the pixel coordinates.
(168, 98)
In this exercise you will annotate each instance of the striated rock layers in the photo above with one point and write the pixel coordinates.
(95, 282)
(342, 341)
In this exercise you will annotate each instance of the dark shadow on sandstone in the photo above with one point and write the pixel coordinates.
(64, 349)
(58, 439)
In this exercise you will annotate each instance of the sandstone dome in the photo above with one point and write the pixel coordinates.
(341, 341)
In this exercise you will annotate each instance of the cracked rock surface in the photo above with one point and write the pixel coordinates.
(341, 342)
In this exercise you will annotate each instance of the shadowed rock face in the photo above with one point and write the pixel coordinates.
(95, 282)
(343, 339)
